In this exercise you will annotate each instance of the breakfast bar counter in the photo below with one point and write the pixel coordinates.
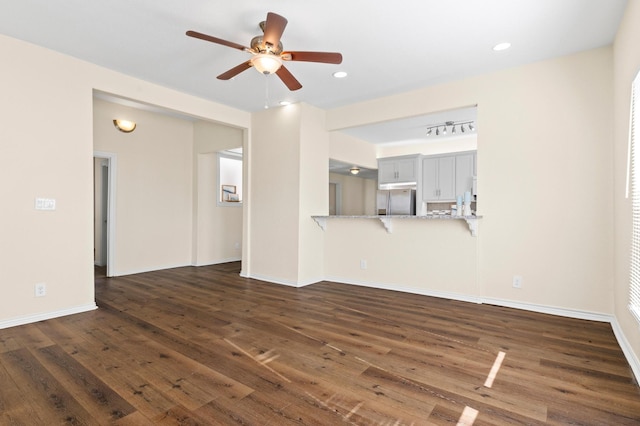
(472, 221)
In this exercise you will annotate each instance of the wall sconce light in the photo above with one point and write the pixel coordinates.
(125, 126)
(354, 170)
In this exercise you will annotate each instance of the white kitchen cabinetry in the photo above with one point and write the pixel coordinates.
(403, 169)
(465, 171)
(439, 178)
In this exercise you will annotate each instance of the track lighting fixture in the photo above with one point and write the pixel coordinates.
(463, 125)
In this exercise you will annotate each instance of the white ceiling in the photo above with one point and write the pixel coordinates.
(388, 47)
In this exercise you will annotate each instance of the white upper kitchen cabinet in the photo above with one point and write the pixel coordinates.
(403, 169)
(465, 171)
(439, 178)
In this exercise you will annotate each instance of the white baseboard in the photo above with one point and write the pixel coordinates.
(412, 290)
(551, 310)
(151, 269)
(632, 358)
(28, 319)
(217, 262)
(274, 280)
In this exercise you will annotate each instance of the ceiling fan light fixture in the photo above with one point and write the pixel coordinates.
(354, 170)
(124, 126)
(266, 63)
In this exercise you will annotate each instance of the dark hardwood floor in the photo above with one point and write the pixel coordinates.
(204, 346)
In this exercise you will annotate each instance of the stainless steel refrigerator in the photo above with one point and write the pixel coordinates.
(396, 202)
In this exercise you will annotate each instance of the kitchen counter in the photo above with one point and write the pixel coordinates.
(472, 221)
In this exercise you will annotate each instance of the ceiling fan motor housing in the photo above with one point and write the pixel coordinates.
(258, 45)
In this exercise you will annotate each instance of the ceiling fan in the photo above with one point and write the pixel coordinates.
(268, 53)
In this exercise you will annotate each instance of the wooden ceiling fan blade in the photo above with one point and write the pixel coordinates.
(323, 57)
(288, 79)
(216, 40)
(273, 28)
(235, 71)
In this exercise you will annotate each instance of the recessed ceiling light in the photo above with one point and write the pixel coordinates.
(285, 103)
(340, 74)
(501, 46)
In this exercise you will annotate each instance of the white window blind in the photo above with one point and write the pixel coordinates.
(634, 139)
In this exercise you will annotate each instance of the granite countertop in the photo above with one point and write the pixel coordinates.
(386, 219)
(428, 216)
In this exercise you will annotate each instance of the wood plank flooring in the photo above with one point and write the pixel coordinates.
(203, 346)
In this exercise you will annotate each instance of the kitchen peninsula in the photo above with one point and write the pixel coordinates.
(411, 184)
(387, 220)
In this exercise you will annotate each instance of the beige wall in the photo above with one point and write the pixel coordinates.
(42, 156)
(544, 170)
(314, 193)
(217, 232)
(154, 178)
(418, 256)
(626, 66)
(288, 153)
(459, 144)
(274, 195)
(346, 148)
(358, 194)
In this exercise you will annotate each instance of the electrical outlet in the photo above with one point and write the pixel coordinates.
(363, 264)
(517, 281)
(41, 290)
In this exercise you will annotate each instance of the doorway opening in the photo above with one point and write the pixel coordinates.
(104, 189)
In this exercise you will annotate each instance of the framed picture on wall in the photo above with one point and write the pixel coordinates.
(227, 191)
(234, 198)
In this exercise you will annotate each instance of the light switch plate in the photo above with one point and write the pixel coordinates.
(45, 204)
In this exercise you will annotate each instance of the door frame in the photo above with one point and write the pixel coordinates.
(112, 161)
(338, 197)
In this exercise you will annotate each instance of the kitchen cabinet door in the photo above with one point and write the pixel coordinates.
(430, 179)
(465, 170)
(398, 169)
(447, 178)
(438, 183)
(386, 171)
(407, 170)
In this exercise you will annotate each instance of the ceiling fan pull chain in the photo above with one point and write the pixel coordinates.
(266, 91)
